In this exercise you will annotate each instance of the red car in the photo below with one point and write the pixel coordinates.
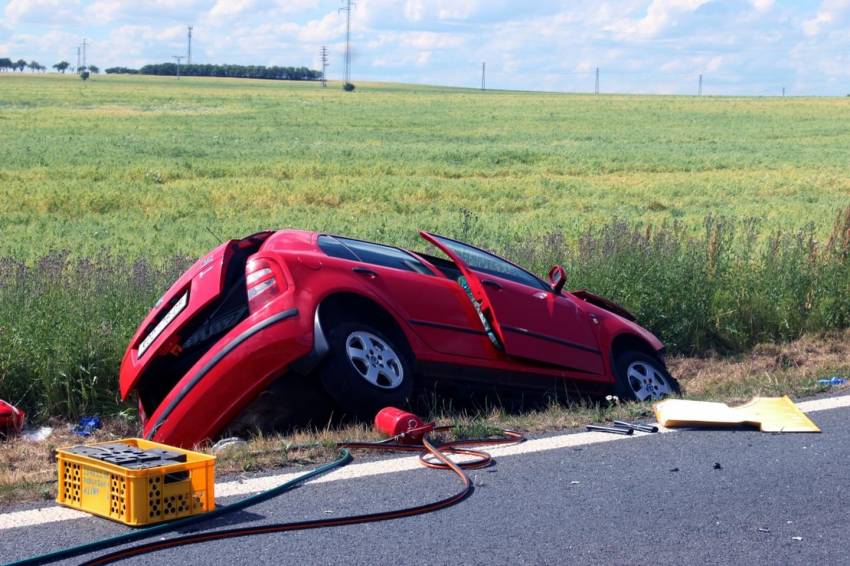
(367, 320)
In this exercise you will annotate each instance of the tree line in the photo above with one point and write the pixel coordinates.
(6, 64)
(235, 71)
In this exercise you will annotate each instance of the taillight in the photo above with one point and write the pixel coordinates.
(263, 282)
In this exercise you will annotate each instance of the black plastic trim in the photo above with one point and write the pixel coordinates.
(448, 327)
(287, 314)
(567, 343)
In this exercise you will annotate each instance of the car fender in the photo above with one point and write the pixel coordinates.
(610, 328)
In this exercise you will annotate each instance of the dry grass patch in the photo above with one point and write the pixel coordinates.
(769, 369)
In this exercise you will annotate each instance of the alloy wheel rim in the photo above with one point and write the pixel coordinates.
(647, 382)
(374, 360)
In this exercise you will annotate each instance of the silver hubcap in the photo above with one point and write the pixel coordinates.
(374, 360)
(647, 382)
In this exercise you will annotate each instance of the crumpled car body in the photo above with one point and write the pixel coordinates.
(254, 310)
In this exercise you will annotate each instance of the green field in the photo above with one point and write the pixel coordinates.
(720, 222)
(147, 166)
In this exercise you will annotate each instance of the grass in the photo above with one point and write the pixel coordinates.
(144, 166)
(713, 219)
(27, 469)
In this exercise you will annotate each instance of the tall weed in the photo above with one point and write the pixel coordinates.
(64, 323)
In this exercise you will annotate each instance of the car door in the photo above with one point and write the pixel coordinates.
(529, 320)
(435, 307)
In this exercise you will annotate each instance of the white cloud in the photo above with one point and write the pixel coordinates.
(662, 13)
(41, 10)
(414, 10)
(762, 5)
(830, 11)
(229, 8)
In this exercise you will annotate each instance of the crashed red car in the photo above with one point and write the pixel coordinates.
(368, 320)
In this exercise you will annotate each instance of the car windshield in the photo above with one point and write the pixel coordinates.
(485, 262)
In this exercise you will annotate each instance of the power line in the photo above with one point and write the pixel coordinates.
(346, 80)
(189, 46)
(324, 53)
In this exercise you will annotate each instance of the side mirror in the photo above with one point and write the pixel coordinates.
(557, 278)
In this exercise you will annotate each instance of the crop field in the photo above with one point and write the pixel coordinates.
(147, 167)
(721, 222)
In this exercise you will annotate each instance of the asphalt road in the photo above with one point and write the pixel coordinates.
(691, 497)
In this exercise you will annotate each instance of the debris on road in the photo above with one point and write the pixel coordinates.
(636, 426)
(37, 435)
(87, 426)
(717, 466)
(610, 429)
(770, 414)
(834, 380)
(228, 443)
(11, 419)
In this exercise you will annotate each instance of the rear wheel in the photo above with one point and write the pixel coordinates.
(643, 377)
(366, 370)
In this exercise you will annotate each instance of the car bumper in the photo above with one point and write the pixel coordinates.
(228, 377)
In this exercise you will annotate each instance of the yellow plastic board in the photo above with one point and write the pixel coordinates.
(769, 414)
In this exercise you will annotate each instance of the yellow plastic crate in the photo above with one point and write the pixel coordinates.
(137, 497)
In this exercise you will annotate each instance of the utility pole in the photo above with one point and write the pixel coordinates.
(346, 80)
(483, 75)
(189, 46)
(324, 54)
(783, 92)
(596, 89)
(78, 57)
(699, 91)
(179, 58)
(84, 54)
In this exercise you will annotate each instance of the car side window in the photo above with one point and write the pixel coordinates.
(368, 252)
(485, 262)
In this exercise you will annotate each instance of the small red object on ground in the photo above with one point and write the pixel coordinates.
(395, 422)
(11, 419)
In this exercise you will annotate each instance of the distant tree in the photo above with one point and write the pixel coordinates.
(5, 64)
(121, 71)
(62, 66)
(20, 65)
(94, 69)
(234, 71)
(35, 66)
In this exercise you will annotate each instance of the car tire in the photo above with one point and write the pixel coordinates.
(642, 377)
(367, 369)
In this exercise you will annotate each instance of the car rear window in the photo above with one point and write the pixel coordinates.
(368, 252)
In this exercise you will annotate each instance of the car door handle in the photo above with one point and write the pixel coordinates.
(492, 284)
(363, 271)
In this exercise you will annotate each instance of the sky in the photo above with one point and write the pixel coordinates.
(741, 47)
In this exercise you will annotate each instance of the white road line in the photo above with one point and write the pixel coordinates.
(56, 513)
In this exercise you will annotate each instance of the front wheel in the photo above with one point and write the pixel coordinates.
(642, 377)
(366, 370)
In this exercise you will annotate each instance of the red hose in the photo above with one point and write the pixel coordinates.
(483, 459)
